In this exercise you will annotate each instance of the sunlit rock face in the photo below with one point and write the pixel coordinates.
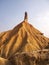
(22, 38)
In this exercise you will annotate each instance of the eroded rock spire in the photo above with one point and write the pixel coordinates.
(26, 17)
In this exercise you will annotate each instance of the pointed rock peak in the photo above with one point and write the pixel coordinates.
(26, 17)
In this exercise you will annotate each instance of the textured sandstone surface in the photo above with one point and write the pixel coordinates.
(23, 38)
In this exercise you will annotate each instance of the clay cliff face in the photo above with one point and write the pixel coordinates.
(22, 38)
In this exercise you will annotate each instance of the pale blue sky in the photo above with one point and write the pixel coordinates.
(12, 13)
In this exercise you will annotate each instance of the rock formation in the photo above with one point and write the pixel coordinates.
(22, 38)
(26, 17)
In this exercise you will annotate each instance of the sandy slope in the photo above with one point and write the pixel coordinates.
(22, 38)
